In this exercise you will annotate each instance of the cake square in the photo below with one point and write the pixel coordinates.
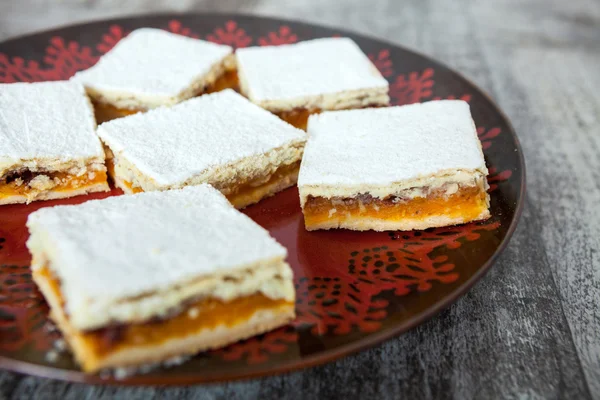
(48, 145)
(151, 68)
(296, 80)
(221, 139)
(399, 168)
(140, 279)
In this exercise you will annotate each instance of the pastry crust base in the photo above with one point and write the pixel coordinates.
(54, 191)
(63, 194)
(465, 205)
(377, 224)
(260, 321)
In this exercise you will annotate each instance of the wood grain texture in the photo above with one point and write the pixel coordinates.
(531, 327)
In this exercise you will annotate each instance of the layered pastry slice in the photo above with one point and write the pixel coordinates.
(141, 279)
(221, 139)
(151, 68)
(296, 80)
(48, 145)
(398, 168)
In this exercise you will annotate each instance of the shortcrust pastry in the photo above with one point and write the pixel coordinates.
(151, 68)
(296, 80)
(221, 139)
(48, 145)
(136, 280)
(398, 168)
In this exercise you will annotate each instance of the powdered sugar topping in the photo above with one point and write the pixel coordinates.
(48, 120)
(388, 145)
(126, 246)
(310, 68)
(173, 144)
(153, 62)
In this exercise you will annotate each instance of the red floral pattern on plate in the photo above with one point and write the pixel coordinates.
(496, 177)
(23, 312)
(382, 62)
(65, 59)
(176, 27)
(486, 136)
(111, 38)
(284, 35)
(62, 60)
(16, 69)
(230, 35)
(413, 87)
(400, 270)
(333, 305)
(338, 305)
(258, 349)
(412, 265)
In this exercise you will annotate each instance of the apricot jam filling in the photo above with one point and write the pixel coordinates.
(239, 194)
(228, 80)
(106, 112)
(23, 182)
(133, 189)
(198, 315)
(298, 117)
(466, 203)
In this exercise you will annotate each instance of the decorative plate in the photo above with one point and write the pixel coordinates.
(354, 289)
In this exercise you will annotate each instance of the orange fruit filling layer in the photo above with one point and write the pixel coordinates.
(229, 80)
(250, 189)
(199, 315)
(67, 182)
(297, 117)
(133, 189)
(106, 112)
(467, 203)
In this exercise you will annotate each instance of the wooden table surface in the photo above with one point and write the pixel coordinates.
(531, 327)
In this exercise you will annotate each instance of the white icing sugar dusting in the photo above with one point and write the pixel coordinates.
(153, 62)
(172, 144)
(46, 120)
(310, 68)
(126, 246)
(381, 146)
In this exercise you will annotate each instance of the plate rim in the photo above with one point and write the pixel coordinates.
(327, 356)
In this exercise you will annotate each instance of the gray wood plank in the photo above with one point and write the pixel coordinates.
(550, 90)
(530, 329)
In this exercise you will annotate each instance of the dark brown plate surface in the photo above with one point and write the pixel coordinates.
(354, 289)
